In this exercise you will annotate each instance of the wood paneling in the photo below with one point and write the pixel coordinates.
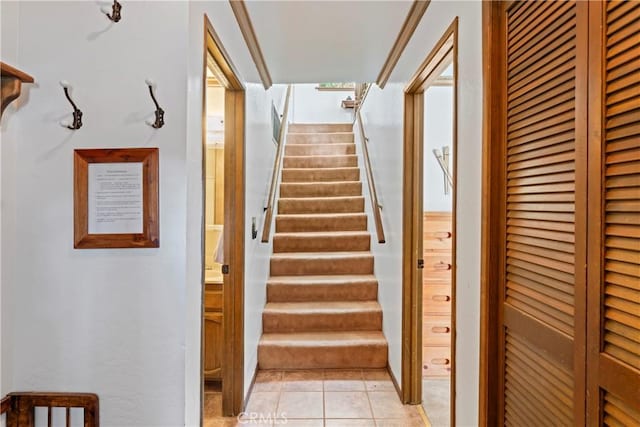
(614, 232)
(572, 88)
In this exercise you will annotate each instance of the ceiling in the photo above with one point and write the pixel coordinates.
(326, 41)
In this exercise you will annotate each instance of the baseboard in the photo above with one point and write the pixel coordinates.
(394, 381)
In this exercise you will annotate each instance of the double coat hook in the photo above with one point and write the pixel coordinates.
(159, 122)
(77, 114)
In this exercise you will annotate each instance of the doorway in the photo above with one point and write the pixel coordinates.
(223, 229)
(429, 238)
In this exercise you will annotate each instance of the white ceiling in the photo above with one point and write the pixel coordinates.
(326, 41)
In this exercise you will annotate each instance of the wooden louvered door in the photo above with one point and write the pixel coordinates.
(614, 221)
(543, 295)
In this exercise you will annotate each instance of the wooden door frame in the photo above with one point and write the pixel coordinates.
(493, 200)
(234, 201)
(412, 217)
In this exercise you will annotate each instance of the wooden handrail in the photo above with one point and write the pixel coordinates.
(5, 404)
(377, 216)
(266, 229)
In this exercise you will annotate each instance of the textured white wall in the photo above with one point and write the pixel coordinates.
(104, 321)
(382, 118)
(260, 152)
(438, 132)
(315, 106)
(438, 17)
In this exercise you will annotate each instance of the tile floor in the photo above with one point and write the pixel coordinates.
(319, 398)
(435, 400)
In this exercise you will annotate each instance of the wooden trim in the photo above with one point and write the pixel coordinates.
(445, 50)
(246, 27)
(595, 207)
(7, 70)
(234, 201)
(409, 26)
(268, 217)
(579, 350)
(150, 236)
(494, 110)
(373, 194)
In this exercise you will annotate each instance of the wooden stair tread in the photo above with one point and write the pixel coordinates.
(324, 307)
(322, 255)
(329, 279)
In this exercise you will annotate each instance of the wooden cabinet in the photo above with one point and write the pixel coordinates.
(436, 295)
(213, 336)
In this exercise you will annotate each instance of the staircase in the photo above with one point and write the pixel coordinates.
(322, 309)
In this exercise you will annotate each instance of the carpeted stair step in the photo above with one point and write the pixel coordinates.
(311, 205)
(315, 263)
(323, 350)
(319, 149)
(320, 138)
(279, 317)
(320, 174)
(321, 222)
(320, 189)
(323, 241)
(346, 160)
(322, 288)
(320, 127)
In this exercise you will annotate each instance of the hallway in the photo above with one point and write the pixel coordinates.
(319, 398)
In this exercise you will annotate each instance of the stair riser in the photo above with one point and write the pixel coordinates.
(310, 206)
(320, 127)
(319, 149)
(320, 175)
(322, 357)
(299, 322)
(320, 244)
(320, 161)
(303, 223)
(320, 138)
(310, 292)
(321, 189)
(302, 266)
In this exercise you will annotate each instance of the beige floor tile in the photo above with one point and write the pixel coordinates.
(263, 403)
(350, 404)
(349, 423)
(300, 404)
(301, 423)
(343, 380)
(379, 385)
(268, 381)
(406, 422)
(386, 404)
(375, 374)
(305, 380)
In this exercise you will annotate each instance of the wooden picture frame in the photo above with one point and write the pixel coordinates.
(149, 237)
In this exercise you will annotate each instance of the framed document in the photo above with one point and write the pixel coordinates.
(116, 198)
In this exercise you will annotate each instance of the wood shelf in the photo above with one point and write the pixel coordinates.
(12, 80)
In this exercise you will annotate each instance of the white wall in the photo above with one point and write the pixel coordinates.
(438, 132)
(104, 321)
(260, 156)
(382, 118)
(438, 17)
(310, 105)
(260, 152)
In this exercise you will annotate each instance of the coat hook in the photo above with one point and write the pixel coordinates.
(77, 114)
(159, 122)
(115, 14)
